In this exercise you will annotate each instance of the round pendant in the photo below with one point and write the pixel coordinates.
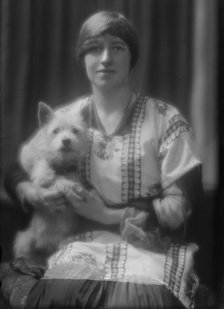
(104, 147)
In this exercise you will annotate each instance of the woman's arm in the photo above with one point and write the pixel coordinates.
(93, 207)
(181, 200)
(14, 175)
(173, 208)
(170, 209)
(25, 193)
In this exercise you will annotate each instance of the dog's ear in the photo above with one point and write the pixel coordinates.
(45, 113)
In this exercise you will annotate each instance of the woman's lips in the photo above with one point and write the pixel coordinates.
(105, 71)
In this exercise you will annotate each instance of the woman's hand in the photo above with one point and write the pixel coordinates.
(40, 197)
(93, 207)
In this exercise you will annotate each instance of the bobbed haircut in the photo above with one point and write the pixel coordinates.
(108, 22)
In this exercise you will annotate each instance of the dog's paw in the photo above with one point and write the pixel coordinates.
(63, 185)
(69, 188)
(25, 266)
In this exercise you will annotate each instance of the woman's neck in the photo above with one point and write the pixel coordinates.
(110, 107)
(108, 102)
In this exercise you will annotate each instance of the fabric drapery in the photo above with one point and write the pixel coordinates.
(177, 63)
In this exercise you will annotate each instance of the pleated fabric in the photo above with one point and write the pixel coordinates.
(93, 294)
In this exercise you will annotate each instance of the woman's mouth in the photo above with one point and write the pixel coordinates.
(105, 71)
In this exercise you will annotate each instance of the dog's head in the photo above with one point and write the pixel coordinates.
(66, 134)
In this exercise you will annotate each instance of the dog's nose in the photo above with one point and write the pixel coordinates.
(66, 141)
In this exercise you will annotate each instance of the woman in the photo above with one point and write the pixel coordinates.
(134, 193)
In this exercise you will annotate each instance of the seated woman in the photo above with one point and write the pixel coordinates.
(130, 252)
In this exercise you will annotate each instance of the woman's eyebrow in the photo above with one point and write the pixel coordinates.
(99, 41)
(119, 42)
(93, 40)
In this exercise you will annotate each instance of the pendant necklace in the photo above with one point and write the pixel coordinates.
(106, 143)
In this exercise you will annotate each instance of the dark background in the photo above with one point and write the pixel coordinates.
(180, 62)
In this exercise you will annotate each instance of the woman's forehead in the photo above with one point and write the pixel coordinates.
(106, 38)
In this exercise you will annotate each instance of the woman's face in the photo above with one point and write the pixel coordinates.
(108, 62)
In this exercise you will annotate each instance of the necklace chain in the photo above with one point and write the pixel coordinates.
(120, 125)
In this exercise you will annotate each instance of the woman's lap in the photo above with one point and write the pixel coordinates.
(99, 270)
(57, 293)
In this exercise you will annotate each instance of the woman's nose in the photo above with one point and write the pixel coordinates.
(106, 57)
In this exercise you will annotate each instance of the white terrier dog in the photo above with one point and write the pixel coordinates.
(51, 158)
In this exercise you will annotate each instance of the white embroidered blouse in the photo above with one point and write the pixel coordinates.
(148, 155)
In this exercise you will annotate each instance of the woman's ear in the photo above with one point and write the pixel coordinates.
(45, 113)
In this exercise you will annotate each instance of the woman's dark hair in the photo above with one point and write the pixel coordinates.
(107, 22)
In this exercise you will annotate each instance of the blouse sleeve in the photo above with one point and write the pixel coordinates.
(176, 158)
(173, 208)
(180, 201)
(13, 177)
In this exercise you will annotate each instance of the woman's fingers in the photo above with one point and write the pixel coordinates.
(79, 192)
(82, 193)
(52, 198)
(75, 200)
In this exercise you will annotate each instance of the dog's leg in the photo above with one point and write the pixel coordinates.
(23, 243)
(42, 174)
(25, 259)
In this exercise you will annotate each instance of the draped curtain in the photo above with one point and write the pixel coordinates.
(177, 63)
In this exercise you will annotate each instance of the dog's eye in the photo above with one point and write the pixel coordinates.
(55, 131)
(75, 130)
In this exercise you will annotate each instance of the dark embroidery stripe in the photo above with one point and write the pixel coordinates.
(161, 106)
(115, 261)
(124, 170)
(131, 154)
(174, 267)
(85, 165)
(182, 257)
(116, 256)
(167, 266)
(177, 126)
(135, 151)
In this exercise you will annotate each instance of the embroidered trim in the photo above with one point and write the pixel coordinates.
(176, 126)
(85, 237)
(131, 155)
(116, 256)
(174, 267)
(124, 169)
(84, 171)
(179, 275)
(161, 106)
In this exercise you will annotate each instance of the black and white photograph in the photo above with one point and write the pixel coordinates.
(111, 148)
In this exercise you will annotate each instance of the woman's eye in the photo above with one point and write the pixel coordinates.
(75, 130)
(95, 49)
(55, 131)
(118, 48)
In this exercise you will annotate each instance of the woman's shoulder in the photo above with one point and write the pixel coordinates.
(73, 106)
(164, 116)
(161, 108)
